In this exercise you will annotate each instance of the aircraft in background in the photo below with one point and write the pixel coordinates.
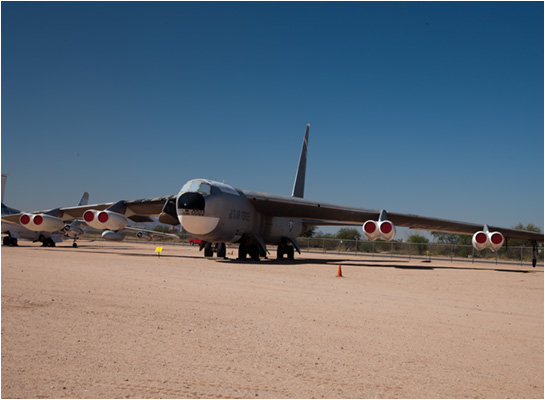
(218, 213)
(15, 231)
(49, 230)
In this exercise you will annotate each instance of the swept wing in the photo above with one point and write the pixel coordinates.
(320, 213)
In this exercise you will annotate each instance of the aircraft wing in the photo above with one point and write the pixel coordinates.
(319, 213)
(136, 210)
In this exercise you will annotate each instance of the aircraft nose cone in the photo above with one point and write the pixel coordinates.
(191, 201)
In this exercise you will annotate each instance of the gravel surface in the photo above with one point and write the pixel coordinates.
(114, 320)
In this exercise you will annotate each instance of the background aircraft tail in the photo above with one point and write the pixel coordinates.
(84, 199)
(299, 184)
(4, 179)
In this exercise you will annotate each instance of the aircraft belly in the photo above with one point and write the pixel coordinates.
(276, 228)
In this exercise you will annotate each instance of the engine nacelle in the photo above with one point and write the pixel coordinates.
(113, 236)
(370, 229)
(105, 220)
(144, 236)
(382, 229)
(387, 230)
(41, 222)
(487, 240)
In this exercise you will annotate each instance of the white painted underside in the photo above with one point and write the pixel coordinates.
(198, 225)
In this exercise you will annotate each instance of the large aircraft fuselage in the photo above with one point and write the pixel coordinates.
(216, 212)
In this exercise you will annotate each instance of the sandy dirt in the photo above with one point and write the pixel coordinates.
(116, 321)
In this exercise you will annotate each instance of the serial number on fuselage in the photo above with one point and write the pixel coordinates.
(239, 215)
(192, 212)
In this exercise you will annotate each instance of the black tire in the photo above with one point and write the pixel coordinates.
(254, 251)
(280, 251)
(290, 251)
(242, 251)
(208, 251)
(221, 251)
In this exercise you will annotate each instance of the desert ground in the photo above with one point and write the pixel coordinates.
(117, 321)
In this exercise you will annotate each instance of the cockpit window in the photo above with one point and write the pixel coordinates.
(197, 186)
(185, 187)
(204, 188)
(194, 186)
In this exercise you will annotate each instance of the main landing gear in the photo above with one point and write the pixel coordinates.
(285, 249)
(251, 246)
(253, 250)
(9, 241)
(47, 242)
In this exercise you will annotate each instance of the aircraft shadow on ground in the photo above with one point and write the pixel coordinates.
(399, 264)
(376, 263)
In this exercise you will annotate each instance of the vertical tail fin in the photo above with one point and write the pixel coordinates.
(4, 179)
(299, 184)
(84, 199)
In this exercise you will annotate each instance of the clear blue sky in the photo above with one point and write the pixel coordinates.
(427, 108)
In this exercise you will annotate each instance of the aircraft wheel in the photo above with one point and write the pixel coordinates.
(75, 245)
(208, 251)
(290, 251)
(6, 241)
(242, 251)
(13, 241)
(280, 251)
(221, 250)
(254, 251)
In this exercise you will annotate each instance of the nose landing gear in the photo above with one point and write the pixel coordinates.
(219, 248)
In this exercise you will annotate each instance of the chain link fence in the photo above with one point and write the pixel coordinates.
(437, 251)
(516, 255)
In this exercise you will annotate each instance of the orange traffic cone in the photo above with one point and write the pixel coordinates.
(339, 272)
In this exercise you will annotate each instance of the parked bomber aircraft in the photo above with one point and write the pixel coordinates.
(49, 230)
(49, 237)
(218, 213)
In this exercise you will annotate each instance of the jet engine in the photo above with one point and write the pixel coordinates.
(370, 228)
(379, 229)
(105, 220)
(144, 236)
(491, 240)
(41, 222)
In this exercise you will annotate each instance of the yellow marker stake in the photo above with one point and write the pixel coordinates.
(158, 250)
